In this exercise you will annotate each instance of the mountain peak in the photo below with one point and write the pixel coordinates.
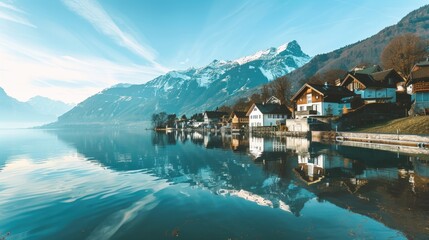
(3, 94)
(290, 48)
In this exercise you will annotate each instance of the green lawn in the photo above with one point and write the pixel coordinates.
(408, 125)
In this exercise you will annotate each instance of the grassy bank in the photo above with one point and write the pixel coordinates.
(408, 125)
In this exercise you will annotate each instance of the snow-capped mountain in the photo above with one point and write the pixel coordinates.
(188, 91)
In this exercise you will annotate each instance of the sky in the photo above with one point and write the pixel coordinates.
(68, 50)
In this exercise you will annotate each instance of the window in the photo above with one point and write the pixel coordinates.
(301, 108)
(309, 98)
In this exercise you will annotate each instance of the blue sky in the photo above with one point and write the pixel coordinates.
(70, 49)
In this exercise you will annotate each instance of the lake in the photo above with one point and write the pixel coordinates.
(138, 184)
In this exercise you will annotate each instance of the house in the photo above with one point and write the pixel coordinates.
(267, 114)
(213, 117)
(418, 80)
(321, 100)
(374, 85)
(239, 120)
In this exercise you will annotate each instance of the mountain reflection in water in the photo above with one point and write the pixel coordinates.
(145, 175)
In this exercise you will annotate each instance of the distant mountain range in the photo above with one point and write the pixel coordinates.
(189, 91)
(37, 109)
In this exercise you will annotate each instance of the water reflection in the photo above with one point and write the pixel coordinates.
(144, 173)
(295, 171)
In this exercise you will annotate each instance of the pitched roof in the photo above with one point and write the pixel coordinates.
(330, 92)
(419, 73)
(270, 108)
(239, 114)
(374, 77)
(389, 77)
(367, 80)
(215, 114)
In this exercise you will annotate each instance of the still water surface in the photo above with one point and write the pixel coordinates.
(136, 184)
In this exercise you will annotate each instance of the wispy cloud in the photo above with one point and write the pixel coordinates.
(94, 13)
(11, 13)
(220, 32)
(10, 7)
(27, 71)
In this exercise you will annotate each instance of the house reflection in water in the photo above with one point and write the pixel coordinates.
(239, 143)
(262, 149)
(313, 167)
(339, 166)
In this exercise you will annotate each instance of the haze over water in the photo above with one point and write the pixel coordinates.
(136, 184)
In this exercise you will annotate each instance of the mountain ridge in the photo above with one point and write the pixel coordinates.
(12, 110)
(188, 91)
(365, 51)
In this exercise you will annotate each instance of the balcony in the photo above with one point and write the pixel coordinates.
(305, 113)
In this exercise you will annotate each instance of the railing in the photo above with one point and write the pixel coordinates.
(306, 112)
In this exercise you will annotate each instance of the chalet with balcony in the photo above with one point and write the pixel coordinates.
(321, 100)
(268, 114)
(374, 85)
(239, 120)
(418, 80)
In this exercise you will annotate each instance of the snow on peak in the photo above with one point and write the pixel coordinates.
(282, 48)
(256, 56)
(268, 53)
(176, 74)
(122, 85)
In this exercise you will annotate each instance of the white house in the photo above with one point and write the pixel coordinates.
(267, 114)
(321, 100)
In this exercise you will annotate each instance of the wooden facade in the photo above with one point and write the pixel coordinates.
(303, 96)
(321, 100)
(421, 87)
(355, 85)
(239, 120)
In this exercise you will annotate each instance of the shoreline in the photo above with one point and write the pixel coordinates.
(407, 143)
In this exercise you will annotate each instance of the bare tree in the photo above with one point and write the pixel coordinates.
(241, 105)
(281, 89)
(256, 98)
(265, 93)
(403, 52)
(224, 108)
